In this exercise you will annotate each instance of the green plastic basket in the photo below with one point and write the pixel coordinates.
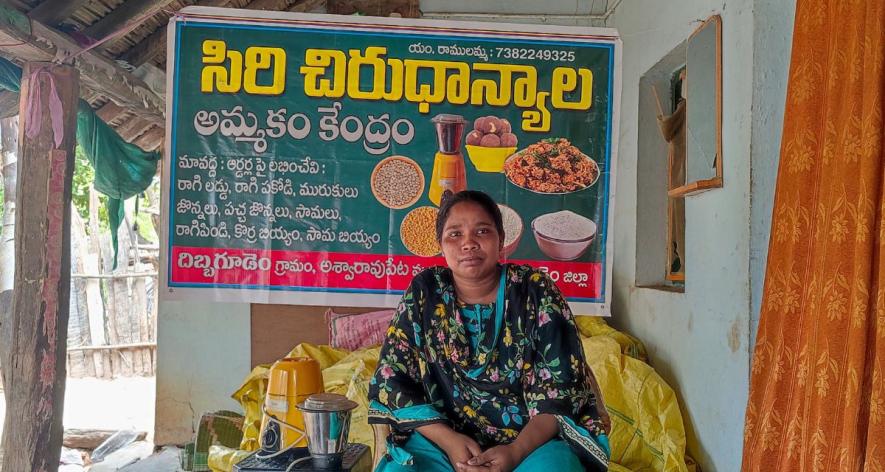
(224, 428)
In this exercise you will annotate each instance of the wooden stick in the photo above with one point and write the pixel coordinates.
(131, 275)
(658, 100)
(112, 347)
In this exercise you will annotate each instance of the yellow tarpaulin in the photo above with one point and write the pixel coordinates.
(647, 428)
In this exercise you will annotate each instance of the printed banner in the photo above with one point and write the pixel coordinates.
(308, 154)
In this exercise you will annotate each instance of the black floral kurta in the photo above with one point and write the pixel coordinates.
(529, 362)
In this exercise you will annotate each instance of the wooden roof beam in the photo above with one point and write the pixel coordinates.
(273, 5)
(147, 49)
(152, 139)
(406, 8)
(19, 5)
(129, 14)
(306, 5)
(44, 44)
(89, 95)
(109, 112)
(53, 12)
(133, 128)
(155, 44)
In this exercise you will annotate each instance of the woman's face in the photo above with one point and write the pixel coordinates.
(470, 241)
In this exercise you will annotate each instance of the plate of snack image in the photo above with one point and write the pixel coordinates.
(513, 228)
(490, 143)
(397, 182)
(418, 231)
(551, 166)
(563, 235)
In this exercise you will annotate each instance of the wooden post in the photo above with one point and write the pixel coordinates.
(88, 263)
(138, 297)
(93, 287)
(114, 359)
(8, 166)
(34, 339)
(135, 298)
(122, 308)
(79, 365)
(8, 159)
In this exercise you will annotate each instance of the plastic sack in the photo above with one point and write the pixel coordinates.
(250, 396)
(326, 355)
(590, 326)
(613, 467)
(350, 377)
(647, 429)
(337, 378)
(223, 459)
(354, 331)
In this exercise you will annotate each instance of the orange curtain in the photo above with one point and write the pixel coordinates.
(817, 391)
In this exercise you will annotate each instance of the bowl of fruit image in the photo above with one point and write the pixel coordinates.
(490, 143)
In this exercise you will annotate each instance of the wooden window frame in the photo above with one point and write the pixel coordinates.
(698, 186)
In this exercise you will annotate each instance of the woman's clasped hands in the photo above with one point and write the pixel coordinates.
(496, 459)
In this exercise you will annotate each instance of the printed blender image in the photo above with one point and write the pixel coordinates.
(449, 174)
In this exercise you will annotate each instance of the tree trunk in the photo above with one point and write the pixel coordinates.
(33, 341)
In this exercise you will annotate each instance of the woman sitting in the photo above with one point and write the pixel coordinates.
(482, 369)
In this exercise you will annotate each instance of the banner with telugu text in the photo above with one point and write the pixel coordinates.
(307, 154)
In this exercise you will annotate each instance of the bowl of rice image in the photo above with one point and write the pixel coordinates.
(512, 230)
(563, 235)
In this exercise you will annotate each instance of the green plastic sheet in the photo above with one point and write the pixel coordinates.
(122, 170)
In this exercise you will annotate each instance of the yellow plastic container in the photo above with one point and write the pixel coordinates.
(290, 382)
(489, 159)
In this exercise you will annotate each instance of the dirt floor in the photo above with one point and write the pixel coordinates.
(124, 403)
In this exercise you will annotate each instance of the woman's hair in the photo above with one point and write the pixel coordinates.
(483, 200)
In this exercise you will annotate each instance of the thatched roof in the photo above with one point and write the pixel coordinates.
(123, 77)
